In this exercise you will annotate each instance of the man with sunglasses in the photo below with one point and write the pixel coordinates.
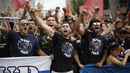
(93, 44)
(22, 43)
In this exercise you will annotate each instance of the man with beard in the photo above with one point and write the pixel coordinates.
(93, 45)
(64, 47)
(22, 43)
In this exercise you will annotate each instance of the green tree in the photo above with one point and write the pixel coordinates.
(75, 4)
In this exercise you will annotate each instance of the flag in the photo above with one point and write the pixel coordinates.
(37, 64)
(95, 3)
(91, 68)
(67, 10)
(87, 3)
(16, 4)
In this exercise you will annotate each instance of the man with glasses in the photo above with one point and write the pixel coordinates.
(93, 44)
(22, 43)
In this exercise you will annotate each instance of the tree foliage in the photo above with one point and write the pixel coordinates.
(75, 4)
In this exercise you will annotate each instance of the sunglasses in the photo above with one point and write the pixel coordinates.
(96, 23)
(23, 24)
(51, 20)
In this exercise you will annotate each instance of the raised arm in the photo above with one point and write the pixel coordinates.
(5, 26)
(110, 27)
(108, 30)
(26, 2)
(2, 28)
(78, 26)
(41, 23)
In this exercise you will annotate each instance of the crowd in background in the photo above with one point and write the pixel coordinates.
(72, 41)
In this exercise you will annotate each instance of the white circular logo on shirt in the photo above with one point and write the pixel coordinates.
(67, 49)
(95, 46)
(24, 46)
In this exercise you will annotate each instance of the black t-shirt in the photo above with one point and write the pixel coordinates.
(4, 49)
(127, 44)
(22, 45)
(92, 47)
(127, 48)
(64, 49)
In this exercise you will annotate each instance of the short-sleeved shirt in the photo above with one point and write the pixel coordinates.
(63, 53)
(92, 47)
(22, 45)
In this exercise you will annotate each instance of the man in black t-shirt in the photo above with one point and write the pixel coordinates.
(93, 44)
(64, 47)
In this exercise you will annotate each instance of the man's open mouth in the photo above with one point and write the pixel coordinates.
(65, 31)
(51, 25)
(25, 28)
(96, 27)
(30, 28)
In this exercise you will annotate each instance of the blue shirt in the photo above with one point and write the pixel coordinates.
(22, 45)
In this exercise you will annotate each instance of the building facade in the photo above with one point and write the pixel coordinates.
(109, 5)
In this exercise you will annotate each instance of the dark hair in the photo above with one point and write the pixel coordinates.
(92, 21)
(65, 23)
(57, 7)
(49, 17)
(31, 19)
(112, 47)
